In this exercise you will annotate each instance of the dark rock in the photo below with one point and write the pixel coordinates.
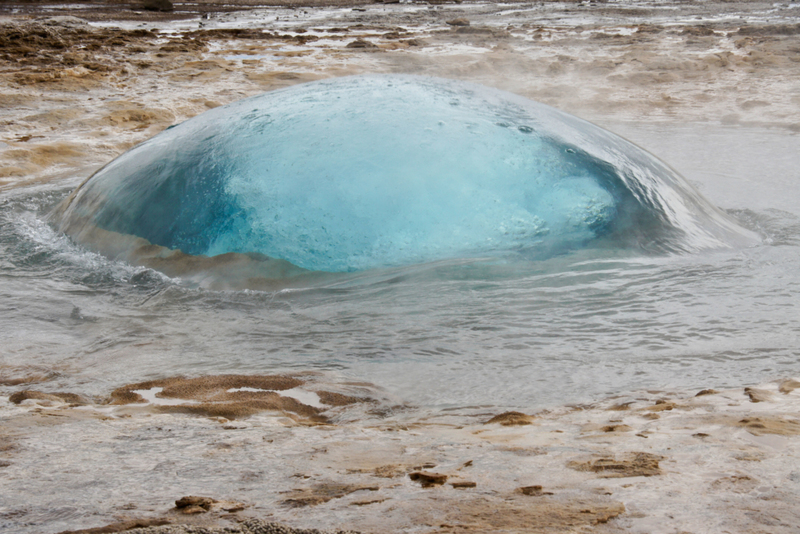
(511, 419)
(337, 399)
(194, 501)
(787, 386)
(157, 5)
(458, 22)
(616, 428)
(758, 395)
(322, 493)
(428, 479)
(70, 398)
(706, 392)
(193, 509)
(533, 491)
(636, 464)
(360, 43)
(120, 527)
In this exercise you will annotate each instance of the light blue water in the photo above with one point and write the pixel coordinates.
(364, 172)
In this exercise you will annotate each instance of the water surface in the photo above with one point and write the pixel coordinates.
(445, 334)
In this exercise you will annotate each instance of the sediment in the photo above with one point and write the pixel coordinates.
(611, 465)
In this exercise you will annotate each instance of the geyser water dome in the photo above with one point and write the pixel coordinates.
(373, 171)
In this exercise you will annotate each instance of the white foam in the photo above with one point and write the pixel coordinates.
(151, 396)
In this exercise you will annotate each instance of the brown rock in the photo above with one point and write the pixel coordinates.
(787, 386)
(534, 491)
(758, 395)
(193, 509)
(25, 379)
(362, 44)
(216, 399)
(759, 426)
(616, 428)
(337, 399)
(661, 406)
(366, 502)
(428, 479)
(511, 419)
(458, 22)
(621, 407)
(698, 31)
(157, 5)
(233, 508)
(706, 392)
(321, 493)
(194, 501)
(388, 471)
(486, 514)
(120, 527)
(70, 398)
(637, 464)
(464, 484)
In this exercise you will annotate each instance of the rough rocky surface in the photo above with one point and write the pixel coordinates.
(251, 526)
(228, 396)
(28, 394)
(427, 479)
(511, 419)
(566, 473)
(637, 464)
(322, 493)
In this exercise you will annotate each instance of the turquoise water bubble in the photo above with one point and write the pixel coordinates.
(365, 172)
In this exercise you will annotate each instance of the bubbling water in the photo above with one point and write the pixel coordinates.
(366, 172)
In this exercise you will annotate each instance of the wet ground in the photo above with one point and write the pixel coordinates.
(712, 87)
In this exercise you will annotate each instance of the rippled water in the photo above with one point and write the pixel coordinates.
(565, 330)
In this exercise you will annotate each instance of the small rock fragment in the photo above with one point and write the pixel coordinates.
(616, 428)
(464, 484)
(193, 509)
(758, 426)
(631, 465)
(758, 395)
(621, 407)
(461, 21)
(787, 386)
(362, 44)
(533, 491)
(388, 471)
(661, 406)
(188, 504)
(121, 526)
(706, 392)
(157, 5)
(428, 479)
(511, 419)
(28, 394)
